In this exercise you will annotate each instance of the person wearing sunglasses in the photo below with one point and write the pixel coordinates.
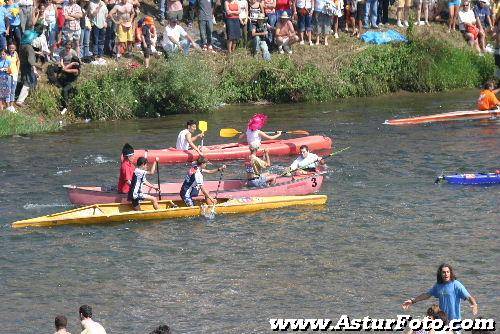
(470, 26)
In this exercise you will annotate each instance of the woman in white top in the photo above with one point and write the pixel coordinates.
(253, 133)
(244, 18)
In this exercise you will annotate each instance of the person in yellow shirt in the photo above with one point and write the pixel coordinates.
(15, 64)
(487, 99)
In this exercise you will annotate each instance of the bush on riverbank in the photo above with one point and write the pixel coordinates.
(201, 82)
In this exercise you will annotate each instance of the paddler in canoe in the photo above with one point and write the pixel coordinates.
(136, 194)
(185, 139)
(487, 97)
(305, 163)
(127, 169)
(254, 134)
(193, 182)
(255, 166)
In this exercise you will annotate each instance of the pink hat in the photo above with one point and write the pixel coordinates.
(257, 122)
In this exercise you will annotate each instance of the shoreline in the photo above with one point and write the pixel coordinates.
(203, 82)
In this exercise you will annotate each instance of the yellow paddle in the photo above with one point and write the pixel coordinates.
(203, 126)
(229, 133)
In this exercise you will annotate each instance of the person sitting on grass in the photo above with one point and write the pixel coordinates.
(135, 194)
(285, 34)
(487, 97)
(176, 39)
(255, 166)
(470, 26)
(193, 182)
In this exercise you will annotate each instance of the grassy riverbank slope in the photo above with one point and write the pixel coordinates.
(432, 61)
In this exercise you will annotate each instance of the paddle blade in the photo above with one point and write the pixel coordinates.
(228, 133)
(203, 126)
(298, 132)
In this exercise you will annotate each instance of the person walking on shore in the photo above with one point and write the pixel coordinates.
(449, 291)
(89, 326)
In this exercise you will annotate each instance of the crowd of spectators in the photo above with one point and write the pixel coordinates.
(66, 33)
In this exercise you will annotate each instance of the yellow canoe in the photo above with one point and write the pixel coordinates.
(117, 212)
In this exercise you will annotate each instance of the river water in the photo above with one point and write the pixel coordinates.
(379, 240)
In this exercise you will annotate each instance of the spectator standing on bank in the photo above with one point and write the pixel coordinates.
(110, 35)
(26, 14)
(50, 22)
(28, 71)
(270, 12)
(122, 15)
(206, 23)
(5, 80)
(4, 26)
(233, 27)
(383, 12)
(72, 30)
(403, 12)
(371, 13)
(244, 19)
(322, 21)
(146, 41)
(13, 11)
(338, 10)
(422, 5)
(14, 73)
(98, 14)
(449, 292)
(453, 7)
(86, 26)
(305, 9)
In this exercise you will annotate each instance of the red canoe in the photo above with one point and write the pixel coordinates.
(301, 185)
(234, 151)
(449, 116)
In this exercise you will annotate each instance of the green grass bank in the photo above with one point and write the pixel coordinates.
(202, 82)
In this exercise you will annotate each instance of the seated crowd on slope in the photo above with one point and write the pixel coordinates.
(69, 32)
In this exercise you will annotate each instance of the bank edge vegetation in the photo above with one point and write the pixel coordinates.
(201, 83)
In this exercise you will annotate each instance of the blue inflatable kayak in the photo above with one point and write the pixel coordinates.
(479, 178)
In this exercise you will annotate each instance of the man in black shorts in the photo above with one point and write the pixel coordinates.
(135, 194)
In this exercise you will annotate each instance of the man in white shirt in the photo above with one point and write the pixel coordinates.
(89, 326)
(306, 162)
(185, 139)
(470, 26)
(176, 38)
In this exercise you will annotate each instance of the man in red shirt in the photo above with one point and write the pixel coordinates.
(126, 169)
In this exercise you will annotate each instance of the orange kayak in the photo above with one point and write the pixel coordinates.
(449, 116)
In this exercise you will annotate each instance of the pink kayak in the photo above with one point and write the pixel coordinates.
(300, 185)
(234, 151)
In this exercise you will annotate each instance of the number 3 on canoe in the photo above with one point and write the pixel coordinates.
(314, 182)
